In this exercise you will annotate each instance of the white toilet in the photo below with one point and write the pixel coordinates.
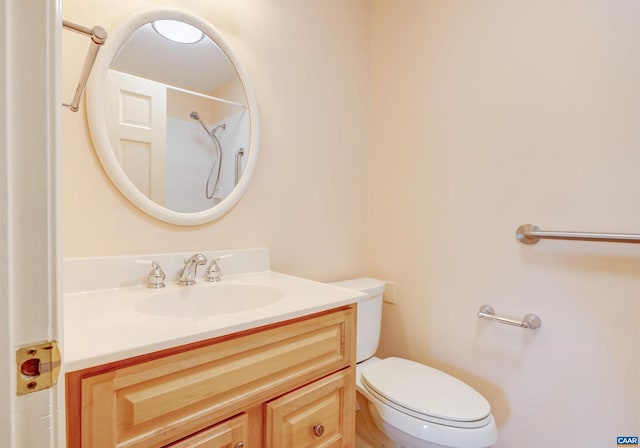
(414, 405)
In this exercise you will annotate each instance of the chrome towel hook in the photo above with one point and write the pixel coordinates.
(530, 320)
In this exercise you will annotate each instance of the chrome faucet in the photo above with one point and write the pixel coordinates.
(188, 274)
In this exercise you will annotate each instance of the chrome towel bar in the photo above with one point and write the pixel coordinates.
(530, 234)
(530, 320)
(98, 36)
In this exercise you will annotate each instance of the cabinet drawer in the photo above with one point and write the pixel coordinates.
(158, 401)
(319, 415)
(233, 433)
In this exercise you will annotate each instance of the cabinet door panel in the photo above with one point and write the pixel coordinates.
(230, 434)
(319, 415)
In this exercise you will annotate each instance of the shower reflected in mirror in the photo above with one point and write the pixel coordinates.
(217, 163)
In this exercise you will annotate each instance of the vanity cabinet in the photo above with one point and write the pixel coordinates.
(290, 384)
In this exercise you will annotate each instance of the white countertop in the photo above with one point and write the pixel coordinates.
(104, 326)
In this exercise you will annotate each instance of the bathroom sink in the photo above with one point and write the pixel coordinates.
(209, 300)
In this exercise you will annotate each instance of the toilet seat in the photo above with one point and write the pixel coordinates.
(426, 393)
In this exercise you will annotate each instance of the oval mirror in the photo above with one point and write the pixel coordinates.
(173, 117)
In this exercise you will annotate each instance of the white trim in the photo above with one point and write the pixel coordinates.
(30, 216)
(98, 128)
(6, 375)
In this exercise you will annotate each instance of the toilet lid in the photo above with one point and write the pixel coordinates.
(426, 393)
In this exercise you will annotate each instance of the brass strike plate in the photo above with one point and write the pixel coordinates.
(38, 366)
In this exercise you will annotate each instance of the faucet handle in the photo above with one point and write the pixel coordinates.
(214, 273)
(155, 278)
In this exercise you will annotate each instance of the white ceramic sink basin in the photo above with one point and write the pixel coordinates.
(209, 300)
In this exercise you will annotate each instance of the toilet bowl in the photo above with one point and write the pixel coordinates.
(414, 405)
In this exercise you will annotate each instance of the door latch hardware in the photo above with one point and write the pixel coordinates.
(38, 366)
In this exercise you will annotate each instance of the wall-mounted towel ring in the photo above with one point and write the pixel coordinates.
(530, 320)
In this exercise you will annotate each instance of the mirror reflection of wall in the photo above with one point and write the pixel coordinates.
(199, 67)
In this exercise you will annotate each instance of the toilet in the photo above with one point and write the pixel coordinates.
(411, 404)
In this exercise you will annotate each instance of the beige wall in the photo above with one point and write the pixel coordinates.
(487, 115)
(484, 116)
(307, 200)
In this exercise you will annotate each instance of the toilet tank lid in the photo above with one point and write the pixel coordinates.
(371, 286)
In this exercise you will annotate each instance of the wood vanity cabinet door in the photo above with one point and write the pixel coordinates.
(233, 433)
(319, 415)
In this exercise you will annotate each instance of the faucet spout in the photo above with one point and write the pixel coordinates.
(188, 274)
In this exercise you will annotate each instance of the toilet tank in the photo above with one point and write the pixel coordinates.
(369, 314)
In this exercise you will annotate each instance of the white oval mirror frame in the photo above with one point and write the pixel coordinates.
(95, 104)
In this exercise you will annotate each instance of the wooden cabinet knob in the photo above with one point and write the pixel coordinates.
(239, 445)
(318, 430)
